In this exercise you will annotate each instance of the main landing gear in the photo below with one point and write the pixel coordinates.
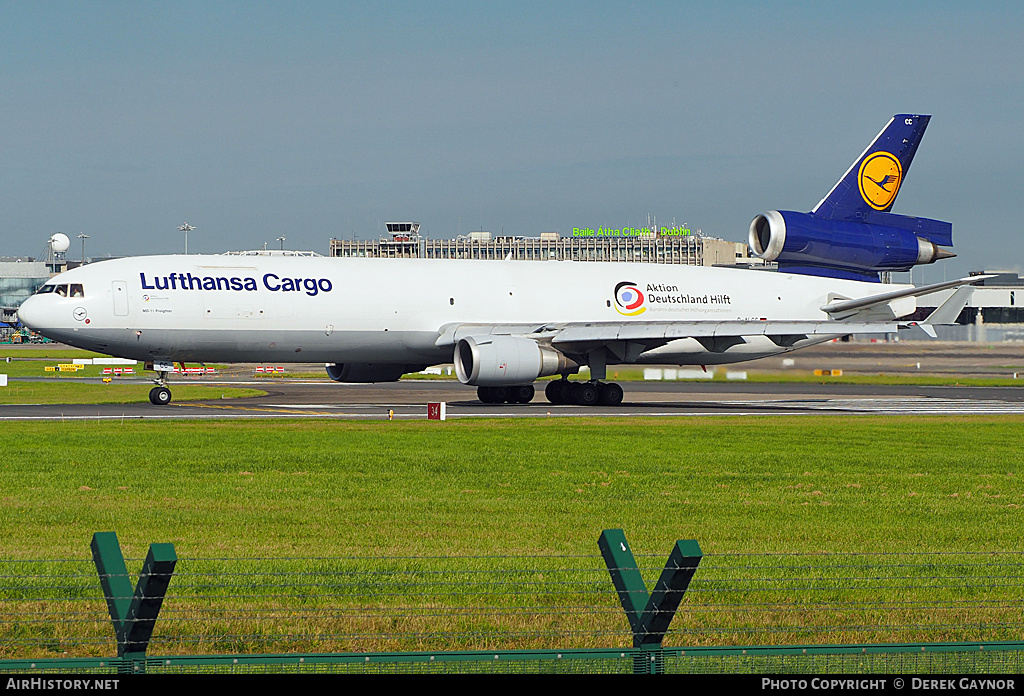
(500, 395)
(595, 392)
(559, 391)
(562, 391)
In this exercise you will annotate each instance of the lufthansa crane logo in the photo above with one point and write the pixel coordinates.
(629, 300)
(879, 179)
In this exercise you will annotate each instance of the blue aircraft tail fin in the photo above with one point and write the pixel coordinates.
(872, 182)
(851, 233)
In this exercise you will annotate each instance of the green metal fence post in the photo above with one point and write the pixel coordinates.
(625, 576)
(117, 588)
(670, 588)
(148, 598)
(133, 614)
(649, 615)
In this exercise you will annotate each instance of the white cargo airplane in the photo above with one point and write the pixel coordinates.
(506, 323)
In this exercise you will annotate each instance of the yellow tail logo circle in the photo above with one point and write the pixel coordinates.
(879, 179)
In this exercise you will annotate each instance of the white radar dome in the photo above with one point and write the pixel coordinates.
(60, 242)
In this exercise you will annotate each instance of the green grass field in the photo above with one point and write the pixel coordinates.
(60, 392)
(311, 491)
(349, 503)
(515, 486)
(31, 362)
(69, 388)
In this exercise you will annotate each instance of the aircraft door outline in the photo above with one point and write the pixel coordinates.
(119, 290)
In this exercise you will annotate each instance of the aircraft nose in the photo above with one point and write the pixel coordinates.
(29, 313)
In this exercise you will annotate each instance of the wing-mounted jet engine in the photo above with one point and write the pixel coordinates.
(851, 233)
(505, 367)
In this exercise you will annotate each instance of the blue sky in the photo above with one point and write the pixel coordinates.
(317, 119)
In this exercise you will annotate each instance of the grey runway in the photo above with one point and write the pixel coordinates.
(407, 400)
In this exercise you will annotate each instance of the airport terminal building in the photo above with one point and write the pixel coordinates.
(19, 278)
(994, 313)
(637, 245)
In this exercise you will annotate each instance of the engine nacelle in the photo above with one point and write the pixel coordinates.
(803, 242)
(369, 372)
(502, 361)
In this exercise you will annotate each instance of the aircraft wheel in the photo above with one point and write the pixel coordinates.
(493, 395)
(584, 394)
(610, 394)
(557, 391)
(159, 396)
(521, 395)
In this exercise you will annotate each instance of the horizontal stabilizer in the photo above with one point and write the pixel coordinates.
(935, 231)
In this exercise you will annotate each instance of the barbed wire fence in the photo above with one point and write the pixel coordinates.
(746, 612)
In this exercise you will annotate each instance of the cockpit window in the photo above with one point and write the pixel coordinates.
(72, 290)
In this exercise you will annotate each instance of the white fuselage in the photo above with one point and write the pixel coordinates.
(302, 309)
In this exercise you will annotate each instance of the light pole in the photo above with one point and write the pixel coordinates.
(83, 237)
(186, 228)
(281, 239)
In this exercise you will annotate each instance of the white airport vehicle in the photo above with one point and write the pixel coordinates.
(506, 323)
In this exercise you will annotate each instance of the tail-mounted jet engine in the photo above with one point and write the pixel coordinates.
(851, 233)
(812, 245)
(507, 360)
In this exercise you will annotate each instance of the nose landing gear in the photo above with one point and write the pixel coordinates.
(160, 395)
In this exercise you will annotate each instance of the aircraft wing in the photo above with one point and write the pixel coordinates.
(865, 315)
(842, 308)
(668, 331)
(632, 338)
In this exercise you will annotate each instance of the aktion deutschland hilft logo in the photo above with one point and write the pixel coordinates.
(879, 179)
(629, 300)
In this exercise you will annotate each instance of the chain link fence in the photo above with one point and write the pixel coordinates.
(772, 613)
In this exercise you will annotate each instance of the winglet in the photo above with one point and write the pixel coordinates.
(948, 311)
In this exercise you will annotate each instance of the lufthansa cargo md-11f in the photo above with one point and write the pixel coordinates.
(506, 323)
